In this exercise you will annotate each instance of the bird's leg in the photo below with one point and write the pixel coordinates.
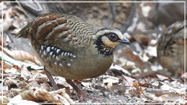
(51, 79)
(81, 94)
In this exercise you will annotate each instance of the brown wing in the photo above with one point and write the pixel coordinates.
(61, 30)
(57, 38)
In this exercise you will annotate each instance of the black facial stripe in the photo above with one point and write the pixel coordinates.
(102, 48)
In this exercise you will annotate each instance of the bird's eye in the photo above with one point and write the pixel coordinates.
(113, 37)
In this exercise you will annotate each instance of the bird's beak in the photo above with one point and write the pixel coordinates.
(125, 41)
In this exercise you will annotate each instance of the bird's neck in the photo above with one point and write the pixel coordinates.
(101, 54)
(102, 49)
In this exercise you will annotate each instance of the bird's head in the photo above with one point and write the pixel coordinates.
(107, 39)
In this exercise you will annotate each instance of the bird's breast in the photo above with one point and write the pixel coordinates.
(82, 65)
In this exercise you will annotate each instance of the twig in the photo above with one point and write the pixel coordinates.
(113, 10)
(36, 10)
(129, 19)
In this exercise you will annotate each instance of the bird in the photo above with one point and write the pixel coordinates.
(69, 47)
(171, 48)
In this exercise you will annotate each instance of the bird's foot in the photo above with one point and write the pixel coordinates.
(82, 96)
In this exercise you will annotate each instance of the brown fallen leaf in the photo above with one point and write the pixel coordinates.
(143, 84)
(36, 94)
(5, 65)
(21, 55)
(162, 77)
(13, 82)
(38, 71)
(124, 56)
(136, 85)
(171, 97)
(13, 92)
(128, 81)
(46, 86)
(146, 74)
(14, 19)
(35, 83)
(128, 53)
(157, 92)
(144, 40)
(19, 101)
(25, 73)
(43, 85)
(184, 76)
(4, 99)
(8, 20)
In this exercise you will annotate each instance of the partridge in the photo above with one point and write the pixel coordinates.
(68, 47)
(170, 50)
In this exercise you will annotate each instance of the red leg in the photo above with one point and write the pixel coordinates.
(81, 94)
(51, 79)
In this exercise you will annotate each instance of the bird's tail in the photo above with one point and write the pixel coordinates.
(26, 31)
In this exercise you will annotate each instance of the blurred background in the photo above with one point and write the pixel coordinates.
(153, 27)
(156, 29)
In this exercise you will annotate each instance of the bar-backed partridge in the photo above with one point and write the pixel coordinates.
(68, 47)
(170, 50)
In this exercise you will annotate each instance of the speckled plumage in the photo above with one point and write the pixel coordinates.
(68, 47)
